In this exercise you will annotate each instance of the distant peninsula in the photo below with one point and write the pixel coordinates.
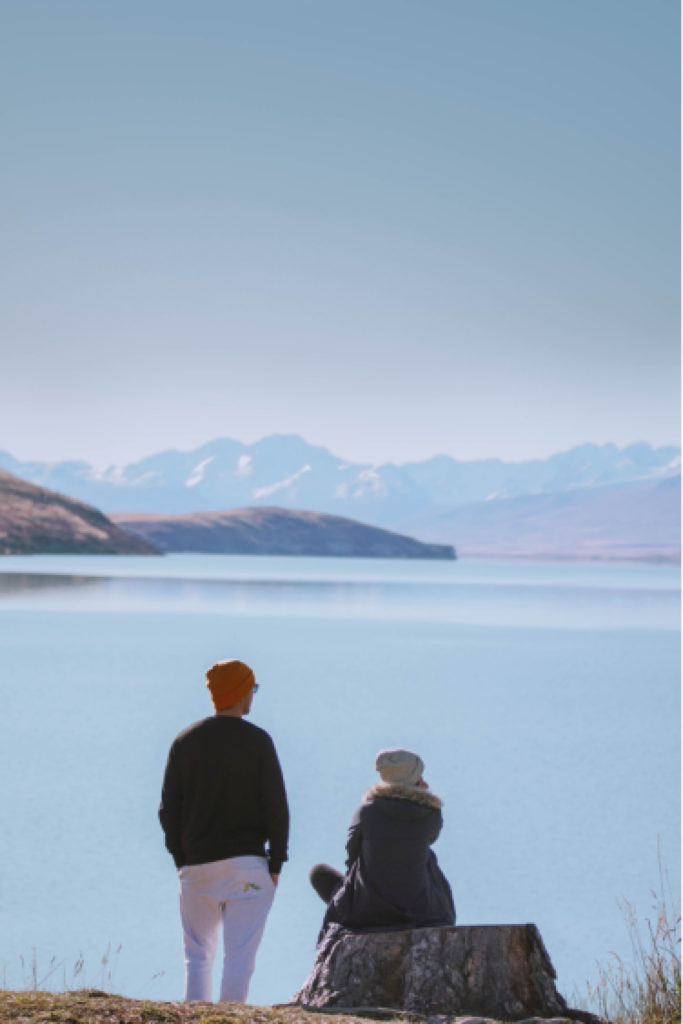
(265, 530)
(34, 520)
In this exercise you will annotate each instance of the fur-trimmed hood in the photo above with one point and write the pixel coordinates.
(425, 797)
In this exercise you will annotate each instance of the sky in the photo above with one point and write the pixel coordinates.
(395, 227)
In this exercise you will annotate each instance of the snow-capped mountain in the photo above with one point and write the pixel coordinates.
(286, 471)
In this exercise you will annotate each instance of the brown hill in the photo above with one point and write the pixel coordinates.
(36, 521)
(274, 531)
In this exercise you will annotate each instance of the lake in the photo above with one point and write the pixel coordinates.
(544, 699)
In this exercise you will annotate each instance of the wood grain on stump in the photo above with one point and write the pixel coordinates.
(498, 971)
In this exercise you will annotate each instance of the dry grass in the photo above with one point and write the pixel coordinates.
(91, 1006)
(647, 988)
(39, 977)
(643, 990)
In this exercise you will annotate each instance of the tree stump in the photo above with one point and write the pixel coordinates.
(497, 971)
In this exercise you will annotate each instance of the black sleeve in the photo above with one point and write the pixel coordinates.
(170, 809)
(353, 839)
(275, 809)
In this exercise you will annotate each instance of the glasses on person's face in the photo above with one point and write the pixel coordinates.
(254, 688)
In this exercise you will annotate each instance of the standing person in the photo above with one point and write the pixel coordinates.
(222, 802)
(392, 878)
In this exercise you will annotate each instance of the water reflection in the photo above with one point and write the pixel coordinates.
(16, 583)
(503, 604)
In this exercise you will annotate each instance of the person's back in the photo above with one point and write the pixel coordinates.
(232, 795)
(398, 827)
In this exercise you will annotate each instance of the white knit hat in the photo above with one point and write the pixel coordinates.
(399, 767)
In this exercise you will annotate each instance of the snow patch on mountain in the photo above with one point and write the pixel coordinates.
(197, 474)
(144, 478)
(369, 481)
(281, 485)
(244, 466)
(110, 475)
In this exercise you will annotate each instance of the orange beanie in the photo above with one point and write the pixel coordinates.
(228, 682)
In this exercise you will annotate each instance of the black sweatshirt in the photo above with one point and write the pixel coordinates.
(223, 795)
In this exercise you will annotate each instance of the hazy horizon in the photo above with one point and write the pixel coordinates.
(397, 228)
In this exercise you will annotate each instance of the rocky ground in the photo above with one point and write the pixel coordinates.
(91, 1006)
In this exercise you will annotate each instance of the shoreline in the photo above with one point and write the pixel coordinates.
(670, 558)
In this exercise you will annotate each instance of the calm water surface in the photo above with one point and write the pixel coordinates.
(543, 697)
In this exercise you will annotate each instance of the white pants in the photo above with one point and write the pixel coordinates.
(238, 893)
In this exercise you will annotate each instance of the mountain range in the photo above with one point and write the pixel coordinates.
(286, 471)
(590, 501)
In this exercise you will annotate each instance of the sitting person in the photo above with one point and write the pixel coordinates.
(392, 878)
